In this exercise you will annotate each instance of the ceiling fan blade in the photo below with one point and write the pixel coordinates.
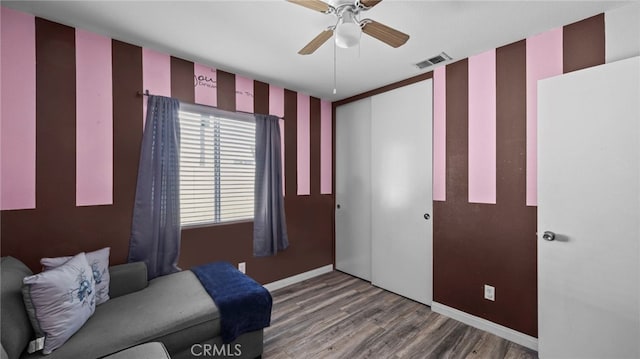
(384, 33)
(369, 3)
(316, 5)
(314, 44)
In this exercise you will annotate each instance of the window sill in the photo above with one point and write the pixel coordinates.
(205, 225)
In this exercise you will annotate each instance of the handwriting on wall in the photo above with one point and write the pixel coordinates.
(205, 81)
(244, 93)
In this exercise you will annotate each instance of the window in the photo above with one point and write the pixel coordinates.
(217, 166)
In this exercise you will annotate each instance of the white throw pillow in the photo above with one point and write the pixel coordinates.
(99, 262)
(59, 301)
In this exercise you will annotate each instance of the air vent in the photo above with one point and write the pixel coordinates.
(434, 60)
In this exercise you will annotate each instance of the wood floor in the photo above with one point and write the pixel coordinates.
(339, 316)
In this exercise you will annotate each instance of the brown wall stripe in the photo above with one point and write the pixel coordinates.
(226, 83)
(514, 250)
(457, 160)
(314, 145)
(182, 80)
(450, 213)
(290, 143)
(127, 139)
(55, 98)
(511, 130)
(584, 44)
(260, 97)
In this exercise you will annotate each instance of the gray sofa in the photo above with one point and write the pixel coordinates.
(174, 310)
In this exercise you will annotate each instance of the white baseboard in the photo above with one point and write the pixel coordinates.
(491, 327)
(298, 278)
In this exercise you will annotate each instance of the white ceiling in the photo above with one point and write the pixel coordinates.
(260, 39)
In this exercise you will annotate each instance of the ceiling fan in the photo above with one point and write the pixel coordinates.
(348, 27)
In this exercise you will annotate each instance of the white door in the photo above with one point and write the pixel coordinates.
(401, 191)
(353, 188)
(588, 195)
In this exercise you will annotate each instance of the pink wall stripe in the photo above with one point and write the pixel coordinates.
(276, 101)
(206, 85)
(18, 114)
(325, 148)
(482, 128)
(244, 94)
(156, 75)
(304, 152)
(439, 134)
(94, 120)
(544, 59)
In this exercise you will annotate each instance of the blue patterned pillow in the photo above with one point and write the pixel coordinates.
(99, 262)
(59, 301)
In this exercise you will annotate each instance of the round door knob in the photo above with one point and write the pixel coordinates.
(427, 216)
(549, 236)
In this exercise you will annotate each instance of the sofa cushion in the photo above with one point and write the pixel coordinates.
(127, 278)
(99, 262)
(15, 328)
(174, 307)
(59, 301)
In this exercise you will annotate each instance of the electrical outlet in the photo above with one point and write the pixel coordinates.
(489, 292)
(242, 267)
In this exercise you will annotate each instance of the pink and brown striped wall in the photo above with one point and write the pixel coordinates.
(484, 169)
(485, 191)
(72, 123)
(71, 184)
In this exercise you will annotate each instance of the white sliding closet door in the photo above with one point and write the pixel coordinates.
(353, 188)
(401, 152)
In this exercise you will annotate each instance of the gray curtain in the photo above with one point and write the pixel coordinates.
(269, 224)
(155, 231)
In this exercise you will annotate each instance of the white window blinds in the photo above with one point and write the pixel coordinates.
(217, 167)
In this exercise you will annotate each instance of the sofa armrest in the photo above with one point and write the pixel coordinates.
(127, 278)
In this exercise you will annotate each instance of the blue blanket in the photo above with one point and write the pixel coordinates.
(244, 305)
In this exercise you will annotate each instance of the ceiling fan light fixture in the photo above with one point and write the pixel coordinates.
(348, 27)
(348, 31)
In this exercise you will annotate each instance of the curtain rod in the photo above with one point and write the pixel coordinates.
(146, 93)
